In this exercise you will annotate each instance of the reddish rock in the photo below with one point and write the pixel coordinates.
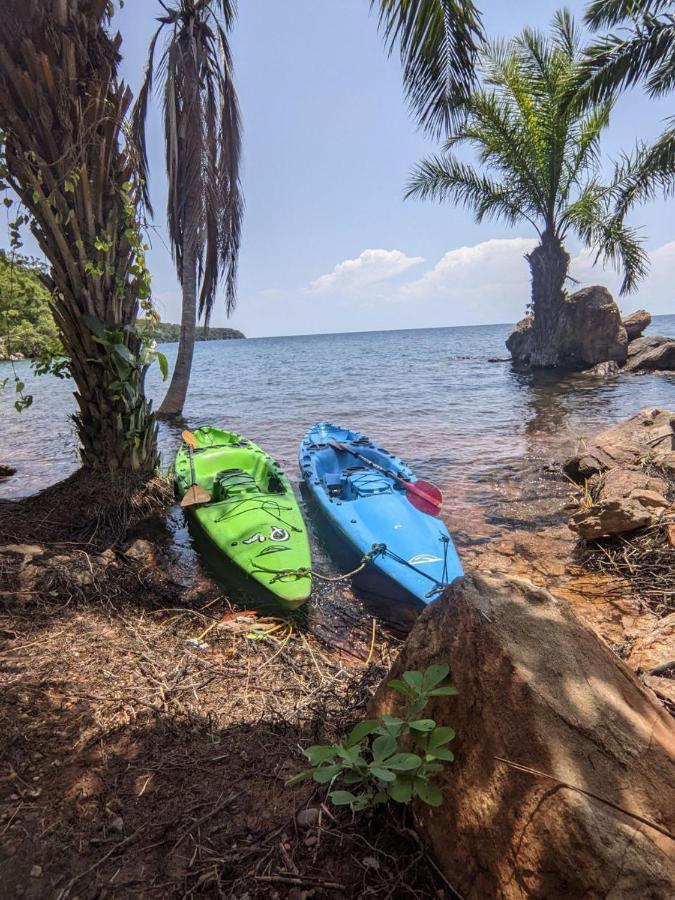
(656, 648)
(621, 482)
(536, 686)
(648, 431)
(607, 517)
(636, 323)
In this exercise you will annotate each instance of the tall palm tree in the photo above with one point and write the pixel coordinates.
(61, 118)
(438, 42)
(643, 51)
(539, 165)
(202, 147)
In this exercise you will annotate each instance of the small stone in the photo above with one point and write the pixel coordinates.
(36, 872)
(13, 796)
(6, 471)
(670, 534)
(310, 840)
(307, 818)
(117, 824)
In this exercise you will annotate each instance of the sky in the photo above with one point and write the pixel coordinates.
(329, 243)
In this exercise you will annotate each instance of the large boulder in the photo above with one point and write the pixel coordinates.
(648, 431)
(636, 323)
(661, 357)
(538, 688)
(649, 341)
(589, 332)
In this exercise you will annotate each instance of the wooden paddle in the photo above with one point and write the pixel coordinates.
(423, 495)
(194, 494)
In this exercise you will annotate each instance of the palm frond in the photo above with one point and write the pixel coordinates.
(438, 42)
(601, 13)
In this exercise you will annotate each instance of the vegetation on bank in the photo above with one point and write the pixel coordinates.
(27, 326)
(169, 333)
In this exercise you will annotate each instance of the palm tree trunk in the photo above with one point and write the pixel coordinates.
(549, 264)
(172, 405)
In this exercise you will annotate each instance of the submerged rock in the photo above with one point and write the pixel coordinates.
(636, 323)
(538, 688)
(6, 471)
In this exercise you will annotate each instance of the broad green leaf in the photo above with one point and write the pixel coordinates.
(400, 686)
(320, 753)
(434, 675)
(382, 773)
(126, 354)
(163, 365)
(440, 736)
(324, 774)
(402, 762)
(415, 680)
(428, 792)
(363, 729)
(342, 798)
(441, 753)
(19, 386)
(423, 725)
(383, 746)
(94, 325)
(401, 790)
(448, 691)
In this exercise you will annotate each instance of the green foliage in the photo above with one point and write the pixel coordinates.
(169, 333)
(538, 153)
(26, 324)
(391, 759)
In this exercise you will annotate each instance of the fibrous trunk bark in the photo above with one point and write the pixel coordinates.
(549, 264)
(62, 114)
(172, 405)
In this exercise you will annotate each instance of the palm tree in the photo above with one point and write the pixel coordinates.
(438, 42)
(539, 165)
(644, 51)
(202, 146)
(61, 118)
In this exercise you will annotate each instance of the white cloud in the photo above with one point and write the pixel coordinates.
(371, 267)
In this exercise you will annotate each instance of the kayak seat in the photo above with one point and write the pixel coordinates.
(334, 483)
(231, 482)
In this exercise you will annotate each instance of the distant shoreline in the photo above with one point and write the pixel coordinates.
(169, 333)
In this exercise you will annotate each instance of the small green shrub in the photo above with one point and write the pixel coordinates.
(391, 759)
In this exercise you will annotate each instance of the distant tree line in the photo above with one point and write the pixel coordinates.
(168, 333)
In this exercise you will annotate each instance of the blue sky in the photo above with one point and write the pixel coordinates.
(329, 244)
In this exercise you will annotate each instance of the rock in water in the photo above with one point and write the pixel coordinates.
(660, 357)
(589, 332)
(538, 687)
(636, 323)
(639, 345)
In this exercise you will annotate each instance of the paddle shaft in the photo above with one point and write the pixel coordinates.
(408, 485)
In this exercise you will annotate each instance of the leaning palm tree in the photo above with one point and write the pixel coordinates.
(202, 144)
(643, 51)
(438, 42)
(61, 118)
(539, 165)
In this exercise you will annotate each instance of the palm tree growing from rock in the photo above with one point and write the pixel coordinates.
(202, 138)
(539, 159)
(643, 52)
(61, 121)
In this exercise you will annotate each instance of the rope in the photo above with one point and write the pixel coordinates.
(304, 572)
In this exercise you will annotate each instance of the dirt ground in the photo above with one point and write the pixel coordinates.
(136, 764)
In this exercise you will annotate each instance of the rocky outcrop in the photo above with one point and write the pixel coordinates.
(625, 495)
(660, 357)
(639, 345)
(589, 332)
(538, 688)
(636, 323)
(6, 471)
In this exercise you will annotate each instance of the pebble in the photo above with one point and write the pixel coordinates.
(306, 818)
(36, 872)
(117, 824)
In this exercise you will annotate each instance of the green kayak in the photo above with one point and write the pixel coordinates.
(252, 517)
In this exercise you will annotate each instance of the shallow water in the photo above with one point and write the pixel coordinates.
(475, 427)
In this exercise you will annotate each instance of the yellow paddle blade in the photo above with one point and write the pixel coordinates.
(189, 439)
(194, 496)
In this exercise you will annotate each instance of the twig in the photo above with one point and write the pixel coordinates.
(574, 787)
(300, 880)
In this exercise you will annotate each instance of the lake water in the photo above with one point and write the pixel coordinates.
(430, 396)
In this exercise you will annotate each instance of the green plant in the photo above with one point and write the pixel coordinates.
(392, 758)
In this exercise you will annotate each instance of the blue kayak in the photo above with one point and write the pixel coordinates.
(413, 557)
